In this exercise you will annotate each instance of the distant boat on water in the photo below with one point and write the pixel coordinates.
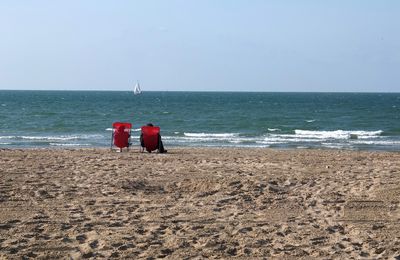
(136, 89)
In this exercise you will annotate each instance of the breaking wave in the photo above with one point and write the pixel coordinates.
(274, 137)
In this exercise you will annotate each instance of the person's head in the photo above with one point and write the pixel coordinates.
(149, 124)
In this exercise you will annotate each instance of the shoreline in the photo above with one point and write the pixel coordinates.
(199, 203)
(189, 148)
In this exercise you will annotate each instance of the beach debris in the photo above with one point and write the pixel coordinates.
(353, 136)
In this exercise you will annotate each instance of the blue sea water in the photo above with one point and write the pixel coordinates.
(359, 121)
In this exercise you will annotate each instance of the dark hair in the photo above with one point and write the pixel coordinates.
(149, 124)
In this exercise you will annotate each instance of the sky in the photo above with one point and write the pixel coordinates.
(201, 45)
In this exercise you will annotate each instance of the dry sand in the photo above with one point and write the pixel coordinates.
(201, 203)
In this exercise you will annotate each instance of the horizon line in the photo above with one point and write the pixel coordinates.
(200, 91)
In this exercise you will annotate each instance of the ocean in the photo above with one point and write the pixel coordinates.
(355, 121)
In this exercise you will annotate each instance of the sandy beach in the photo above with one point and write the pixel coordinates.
(199, 203)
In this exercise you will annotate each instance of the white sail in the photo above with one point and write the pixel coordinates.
(137, 89)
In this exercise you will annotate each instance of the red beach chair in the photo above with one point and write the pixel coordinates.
(121, 135)
(150, 137)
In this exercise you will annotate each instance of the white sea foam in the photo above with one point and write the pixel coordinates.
(270, 142)
(329, 139)
(301, 147)
(336, 134)
(288, 139)
(310, 121)
(338, 139)
(306, 138)
(133, 129)
(274, 129)
(376, 142)
(6, 137)
(53, 138)
(222, 135)
(49, 138)
(216, 139)
(339, 145)
(66, 144)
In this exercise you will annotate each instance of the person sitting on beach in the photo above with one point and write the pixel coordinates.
(159, 146)
(121, 137)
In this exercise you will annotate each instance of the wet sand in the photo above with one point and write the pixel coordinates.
(199, 203)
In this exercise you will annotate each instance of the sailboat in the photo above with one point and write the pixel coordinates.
(136, 89)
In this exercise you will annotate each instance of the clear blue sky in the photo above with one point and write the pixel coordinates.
(223, 45)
